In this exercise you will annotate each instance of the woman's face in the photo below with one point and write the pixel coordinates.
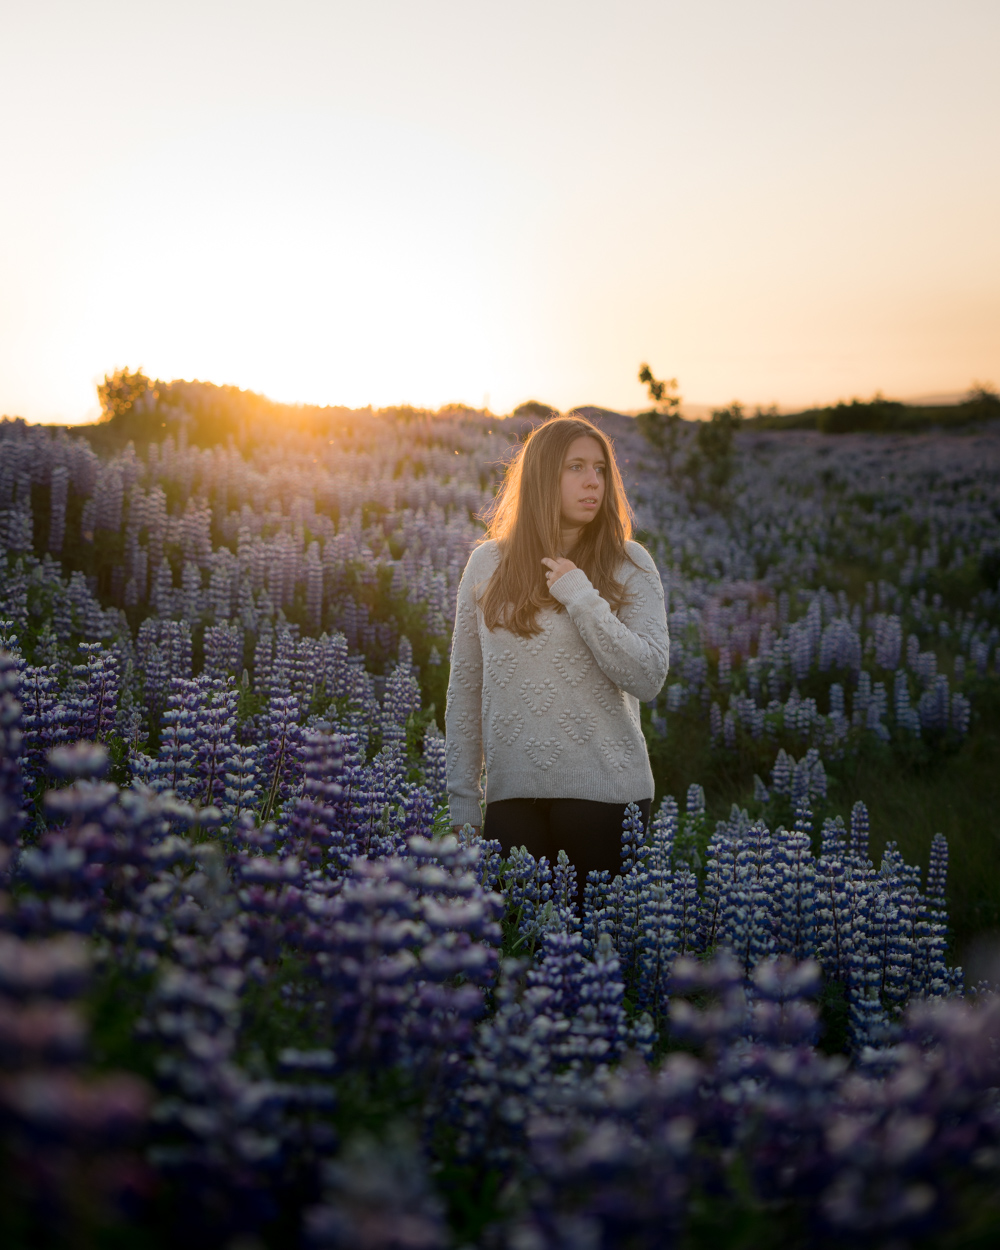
(582, 481)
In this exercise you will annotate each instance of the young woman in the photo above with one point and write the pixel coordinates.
(560, 631)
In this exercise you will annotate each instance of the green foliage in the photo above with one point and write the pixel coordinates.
(834, 1015)
(714, 440)
(660, 392)
(661, 426)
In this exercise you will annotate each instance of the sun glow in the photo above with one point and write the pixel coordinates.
(355, 279)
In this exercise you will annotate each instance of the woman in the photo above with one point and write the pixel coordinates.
(560, 631)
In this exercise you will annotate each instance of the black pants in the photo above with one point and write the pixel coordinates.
(590, 833)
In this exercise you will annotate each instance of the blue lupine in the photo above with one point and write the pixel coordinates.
(937, 873)
(657, 935)
(746, 925)
(621, 916)
(795, 889)
(859, 832)
(781, 774)
(633, 838)
(685, 910)
(834, 933)
(490, 860)
(663, 830)
(719, 879)
(241, 781)
(595, 898)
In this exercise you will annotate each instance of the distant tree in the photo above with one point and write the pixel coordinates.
(120, 390)
(533, 408)
(983, 393)
(878, 413)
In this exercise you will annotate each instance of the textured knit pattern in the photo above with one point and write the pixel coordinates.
(555, 716)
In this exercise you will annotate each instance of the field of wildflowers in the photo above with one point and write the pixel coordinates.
(254, 993)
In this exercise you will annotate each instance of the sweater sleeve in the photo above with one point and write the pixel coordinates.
(463, 712)
(634, 651)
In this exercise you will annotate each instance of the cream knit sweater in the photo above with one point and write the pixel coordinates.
(557, 715)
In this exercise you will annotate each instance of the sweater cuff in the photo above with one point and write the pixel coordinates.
(464, 811)
(571, 587)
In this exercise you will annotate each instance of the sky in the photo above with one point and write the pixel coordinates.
(439, 201)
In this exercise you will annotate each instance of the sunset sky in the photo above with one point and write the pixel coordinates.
(428, 201)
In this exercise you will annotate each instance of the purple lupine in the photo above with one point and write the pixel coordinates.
(223, 650)
(313, 824)
(434, 765)
(93, 695)
(509, 1072)
(174, 767)
(45, 719)
(282, 763)
(402, 700)
(11, 746)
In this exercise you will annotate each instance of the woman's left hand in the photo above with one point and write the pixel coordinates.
(556, 568)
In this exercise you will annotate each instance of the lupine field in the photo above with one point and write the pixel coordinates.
(255, 993)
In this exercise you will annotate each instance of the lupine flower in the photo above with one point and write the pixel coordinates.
(303, 915)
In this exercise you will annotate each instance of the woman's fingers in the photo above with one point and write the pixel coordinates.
(556, 567)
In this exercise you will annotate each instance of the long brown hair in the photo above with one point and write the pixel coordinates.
(524, 521)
